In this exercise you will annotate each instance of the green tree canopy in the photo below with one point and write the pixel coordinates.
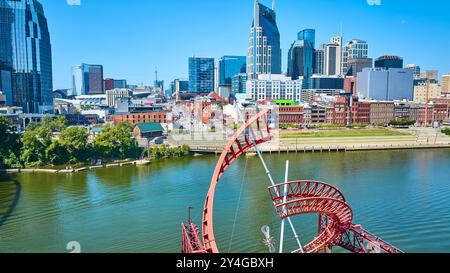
(10, 146)
(34, 146)
(116, 143)
(75, 141)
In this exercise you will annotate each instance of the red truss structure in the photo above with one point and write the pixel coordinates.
(302, 197)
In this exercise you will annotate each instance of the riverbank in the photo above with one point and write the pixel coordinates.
(328, 148)
(74, 170)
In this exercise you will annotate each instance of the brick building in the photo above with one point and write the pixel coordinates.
(139, 117)
(382, 112)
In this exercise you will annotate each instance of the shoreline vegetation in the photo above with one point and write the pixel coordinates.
(53, 144)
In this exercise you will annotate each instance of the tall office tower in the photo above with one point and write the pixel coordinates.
(355, 49)
(332, 63)
(319, 60)
(415, 69)
(301, 57)
(308, 35)
(264, 51)
(87, 79)
(389, 61)
(301, 61)
(229, 66)
(25, 56)
(201, 74)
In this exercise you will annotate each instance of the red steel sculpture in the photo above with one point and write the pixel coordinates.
(336, 226)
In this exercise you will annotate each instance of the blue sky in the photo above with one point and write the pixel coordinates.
(131, 37)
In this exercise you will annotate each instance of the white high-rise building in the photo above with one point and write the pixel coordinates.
(355, 49)
(274, 87)
(333, 60)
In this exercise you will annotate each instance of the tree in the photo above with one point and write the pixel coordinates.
(10, 146)
(56, 125)
(35, 143)
(60, 124)
(57, 154)
(116, 143)
(75, 141)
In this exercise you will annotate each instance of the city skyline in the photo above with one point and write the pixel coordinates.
(136, 58)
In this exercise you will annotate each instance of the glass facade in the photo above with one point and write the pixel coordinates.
(87, 79)
(308, 35)
(239, 85)
(264, 53)
(201, 75)
(25, 55)
(387, 62)
(319, 60)
(301, 59)
(229, 66)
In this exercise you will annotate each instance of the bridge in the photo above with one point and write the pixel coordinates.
(290, 199)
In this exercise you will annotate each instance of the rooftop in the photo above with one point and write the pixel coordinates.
(150, 127)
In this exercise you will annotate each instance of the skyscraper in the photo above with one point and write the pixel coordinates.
(25, 56)
(332, 64)
(355, 49)
(264, 51)
(389, 61)
(230, 66)
(308, 35)
(301, 61)
(201, 74)
(87, 79)
(319, 60)
(333, 57)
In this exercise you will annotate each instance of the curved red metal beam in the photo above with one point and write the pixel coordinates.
(238, 145)
(314, 197)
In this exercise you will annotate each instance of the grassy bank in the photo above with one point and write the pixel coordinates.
(341, 133)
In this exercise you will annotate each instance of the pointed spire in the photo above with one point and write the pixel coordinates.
(274, 5)
(256, 14)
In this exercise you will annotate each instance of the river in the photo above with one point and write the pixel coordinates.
(401, 196)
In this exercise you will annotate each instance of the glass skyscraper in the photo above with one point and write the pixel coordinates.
(201, 75)
(301, 60)
(229, 66)
(389, 61)
(264, 52)
(308, 35)
(239, 84)
(25, 56)
(87, 79)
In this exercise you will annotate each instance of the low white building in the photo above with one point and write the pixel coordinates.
(274, 87)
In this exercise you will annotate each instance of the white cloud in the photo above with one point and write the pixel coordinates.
(374, 2)
(73, 2)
